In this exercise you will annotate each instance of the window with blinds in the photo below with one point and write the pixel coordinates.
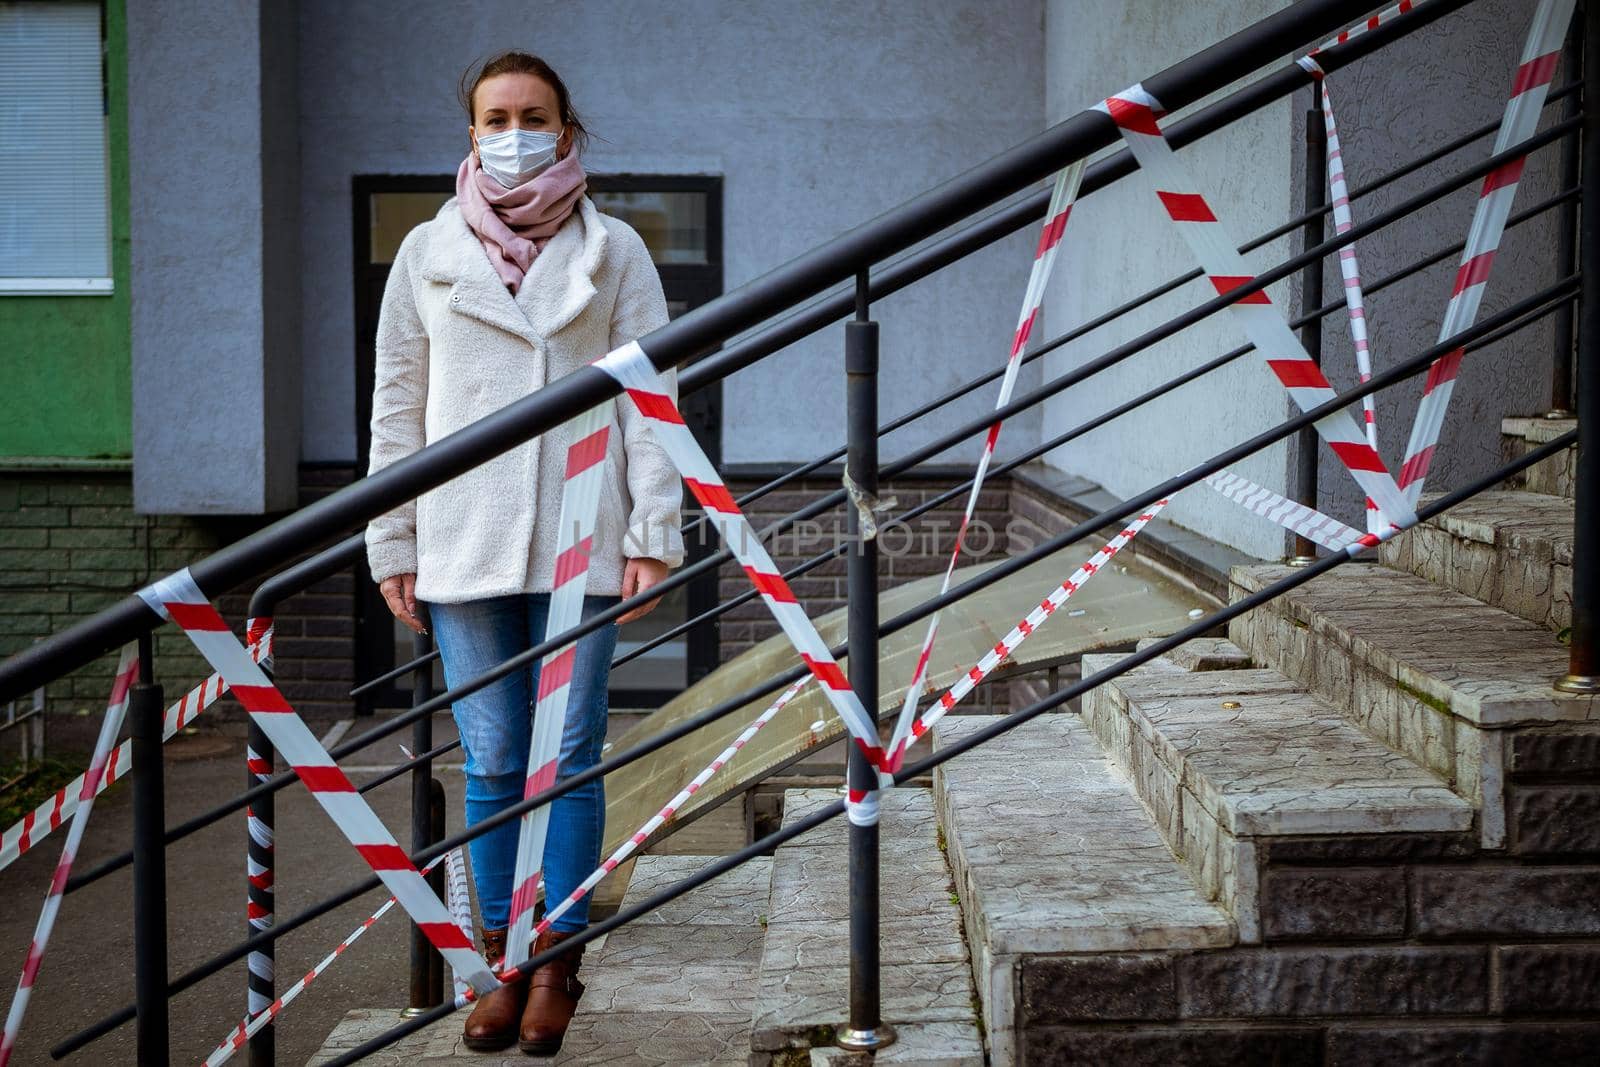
(55, 204)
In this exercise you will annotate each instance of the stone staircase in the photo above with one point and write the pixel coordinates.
(1362, 829)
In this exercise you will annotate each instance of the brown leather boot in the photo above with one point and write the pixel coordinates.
(553, 992)
(493, 1022)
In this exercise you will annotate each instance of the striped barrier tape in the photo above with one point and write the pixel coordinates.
(1349, 268)
(116, 709)
(37, 824)
(656, 821)
(1029, 623)
(633, 370)
(258, 1020)
(459, 900)
(1062, 197)
(1363, 26)
(1529, 87)
(1297, 518)
(178, 598)
(259, 895)
(1135, 111)
(580, 508)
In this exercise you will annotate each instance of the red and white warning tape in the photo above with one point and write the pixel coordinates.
(253, 1025)
(660, 818)
(580, 508)
(632, 368)
(1030, 622)
(1062, 196)
(1349, 269)
(1528, 90)
(1366, 24)
(1135, 112)
(116, 708)
(178, 597)
(37, 824)
(1307, 522)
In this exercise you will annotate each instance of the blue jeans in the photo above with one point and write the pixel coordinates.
(496, 724)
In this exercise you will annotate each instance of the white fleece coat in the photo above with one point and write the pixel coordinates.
(454, 346)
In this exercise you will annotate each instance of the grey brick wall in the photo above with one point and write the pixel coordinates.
(71, 544)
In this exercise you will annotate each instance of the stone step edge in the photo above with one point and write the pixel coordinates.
(994, 970)
(1216, 835)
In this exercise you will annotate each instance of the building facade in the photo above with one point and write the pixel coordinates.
(263, 158)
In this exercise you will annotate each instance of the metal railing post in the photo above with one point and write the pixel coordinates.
(145, 709)
(425, 961)
(260, 878)
(436, 879)
(1583, 662)
(866, 1029)
(1565, 324)
(1312, 234)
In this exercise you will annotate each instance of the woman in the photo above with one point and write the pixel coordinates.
(516, 282)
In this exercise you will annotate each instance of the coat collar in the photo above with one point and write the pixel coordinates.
(557, 288)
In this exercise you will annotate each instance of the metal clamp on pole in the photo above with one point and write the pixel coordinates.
(1312, 234)
(146, 708)
(1583, 662)
(866, 1030)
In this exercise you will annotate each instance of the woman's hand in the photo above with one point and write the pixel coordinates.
(398, 592)
(640, 574)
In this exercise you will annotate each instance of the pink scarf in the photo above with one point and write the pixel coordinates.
(515, 224)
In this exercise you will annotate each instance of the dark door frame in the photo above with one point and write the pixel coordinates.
(692, 283)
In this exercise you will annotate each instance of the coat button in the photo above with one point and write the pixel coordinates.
(455, 298)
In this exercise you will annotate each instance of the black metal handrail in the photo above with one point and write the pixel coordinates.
(330, 560)
(703, 328)
(1485, 332)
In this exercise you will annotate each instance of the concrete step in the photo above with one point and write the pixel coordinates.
(676, 985)
(1509, 548)
(1555, 476)
(1229, 760)
(1436, 675)
(1055, 857)
(673, 987)
(801, 994)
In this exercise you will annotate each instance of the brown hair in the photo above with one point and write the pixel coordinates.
(515, 62)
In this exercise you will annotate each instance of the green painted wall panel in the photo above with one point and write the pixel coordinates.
(65, 386)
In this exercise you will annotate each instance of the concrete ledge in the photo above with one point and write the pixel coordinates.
(801, 995)
(1054, 854)
(1507, 548)
(1228, 759)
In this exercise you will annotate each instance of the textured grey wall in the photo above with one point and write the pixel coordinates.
(1393, 107)
(819, 116)
(1119, 244)
(204, 403)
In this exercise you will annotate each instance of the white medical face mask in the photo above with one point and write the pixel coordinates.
(511, 157)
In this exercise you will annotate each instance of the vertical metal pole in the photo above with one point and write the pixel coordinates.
(1312, 233)
(145, 706)
(866, 1029)
(423, 966)
(1567, 233)
(259, 888)
(1583, 666)
(436, 879)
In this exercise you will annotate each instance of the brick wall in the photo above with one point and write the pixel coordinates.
(71, 545)
(907, 551)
